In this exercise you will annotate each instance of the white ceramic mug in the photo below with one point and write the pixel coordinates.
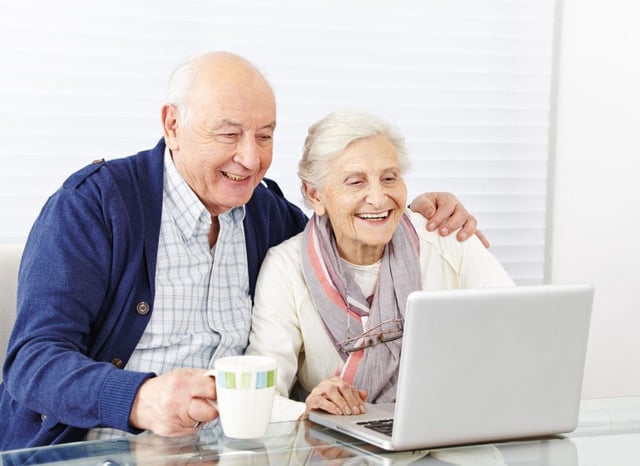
(245, 387)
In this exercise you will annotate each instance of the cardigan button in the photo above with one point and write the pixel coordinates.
(143, 308)
(117, 362)
(43, 417)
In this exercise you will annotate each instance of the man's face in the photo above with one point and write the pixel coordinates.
(225, 147)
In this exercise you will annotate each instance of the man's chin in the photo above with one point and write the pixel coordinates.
(229, 203)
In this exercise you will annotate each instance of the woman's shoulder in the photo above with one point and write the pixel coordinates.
(447, 246)
(431, 237)
(288, 251)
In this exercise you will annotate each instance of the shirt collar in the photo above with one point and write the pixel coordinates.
(185, 207)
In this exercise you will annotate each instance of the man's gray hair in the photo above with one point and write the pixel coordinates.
(180, 85)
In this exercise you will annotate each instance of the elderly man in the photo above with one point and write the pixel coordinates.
(139, 272)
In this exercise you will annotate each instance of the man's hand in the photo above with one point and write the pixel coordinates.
(445, 213)
(176, 403)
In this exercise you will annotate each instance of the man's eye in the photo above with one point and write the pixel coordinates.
(227, 137)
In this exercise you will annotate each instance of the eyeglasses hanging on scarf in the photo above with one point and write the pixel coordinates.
(383, 332)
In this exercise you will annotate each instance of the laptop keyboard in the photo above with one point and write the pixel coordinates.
(384, 426)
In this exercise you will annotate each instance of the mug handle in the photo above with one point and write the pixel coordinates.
(212, 373)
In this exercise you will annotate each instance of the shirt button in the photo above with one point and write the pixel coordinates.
(43, 417)
(117, 362)
(143, 308)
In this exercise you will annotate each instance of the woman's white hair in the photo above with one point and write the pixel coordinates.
(329, 137)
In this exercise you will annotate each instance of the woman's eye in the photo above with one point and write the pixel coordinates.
(392, 178)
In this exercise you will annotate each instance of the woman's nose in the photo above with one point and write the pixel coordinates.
(375, 195)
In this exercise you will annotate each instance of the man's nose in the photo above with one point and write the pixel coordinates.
(248, 153)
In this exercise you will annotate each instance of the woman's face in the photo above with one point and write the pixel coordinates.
(364, 197)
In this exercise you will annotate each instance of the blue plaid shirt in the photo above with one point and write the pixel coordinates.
(202, 308)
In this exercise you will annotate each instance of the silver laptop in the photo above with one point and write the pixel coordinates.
(482, 365)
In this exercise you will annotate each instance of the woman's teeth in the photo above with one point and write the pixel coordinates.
(377, 216)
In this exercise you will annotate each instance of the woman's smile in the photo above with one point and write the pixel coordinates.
(364, 196)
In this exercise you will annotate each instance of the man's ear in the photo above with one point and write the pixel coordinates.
(170, 125)
(313, 197)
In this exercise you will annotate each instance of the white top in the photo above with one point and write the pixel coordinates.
(286, 325)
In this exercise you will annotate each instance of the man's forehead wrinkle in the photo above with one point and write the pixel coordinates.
(229, 122)
(236, 124)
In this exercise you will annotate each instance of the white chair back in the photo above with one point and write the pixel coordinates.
(9, 261)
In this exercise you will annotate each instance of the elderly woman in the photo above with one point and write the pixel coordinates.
(329, 302)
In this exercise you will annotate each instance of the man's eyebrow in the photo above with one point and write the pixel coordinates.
(226, 122)
(235, 124)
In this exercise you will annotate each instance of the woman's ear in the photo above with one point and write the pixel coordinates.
(313, 196)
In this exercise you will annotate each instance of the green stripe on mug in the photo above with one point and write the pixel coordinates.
(229, 379)
(244, 380)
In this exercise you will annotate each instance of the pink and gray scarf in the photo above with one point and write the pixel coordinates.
(337, 298)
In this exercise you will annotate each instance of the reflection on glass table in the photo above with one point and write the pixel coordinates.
(608, 433)
(552, 451)
(287, 443)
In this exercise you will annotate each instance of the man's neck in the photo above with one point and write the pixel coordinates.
(213, 232)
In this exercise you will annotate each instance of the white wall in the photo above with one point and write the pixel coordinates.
(468, 82)
(597, 184)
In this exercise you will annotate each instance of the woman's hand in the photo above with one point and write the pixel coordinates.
(336, 396)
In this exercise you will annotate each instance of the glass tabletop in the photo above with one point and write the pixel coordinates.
(607, 434)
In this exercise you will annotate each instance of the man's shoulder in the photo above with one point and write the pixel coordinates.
(268, 201)
(271, 219)
(120, 169)
(268, 191)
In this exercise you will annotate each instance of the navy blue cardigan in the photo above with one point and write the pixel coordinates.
(86, 293)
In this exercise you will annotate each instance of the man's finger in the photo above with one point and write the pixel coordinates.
(483, 238)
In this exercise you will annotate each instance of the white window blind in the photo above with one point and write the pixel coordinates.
(468, 82)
